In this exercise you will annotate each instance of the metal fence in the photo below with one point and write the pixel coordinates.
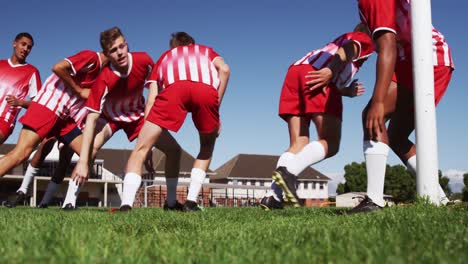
(153, 193)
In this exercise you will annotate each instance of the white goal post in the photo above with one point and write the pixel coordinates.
(425, 116)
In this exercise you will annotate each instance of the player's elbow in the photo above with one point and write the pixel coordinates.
(56, 68)
(225, 70)
(386, 44)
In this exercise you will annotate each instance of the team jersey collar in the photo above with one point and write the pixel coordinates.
(16, 65)
(100, 61)
(130, 64)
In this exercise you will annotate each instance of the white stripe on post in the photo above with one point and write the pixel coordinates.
(426, 131)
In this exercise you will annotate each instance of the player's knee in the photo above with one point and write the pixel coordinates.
(400, 148)
(94, 153)
(176, 152)
(19, 156)
(172, 150)
(140, 152)
(394, 141)
(205, 153)
(333, 148)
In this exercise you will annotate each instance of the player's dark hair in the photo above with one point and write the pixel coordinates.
(361, 27)
(180, 39)
(109, 36)
(24, 35)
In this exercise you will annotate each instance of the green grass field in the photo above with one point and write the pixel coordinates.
(411, 234)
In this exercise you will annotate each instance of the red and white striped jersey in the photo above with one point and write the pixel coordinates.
(395, 16)
(186, 63)
(321, 58)
(120, 97)
(62, 100)
(20, 81)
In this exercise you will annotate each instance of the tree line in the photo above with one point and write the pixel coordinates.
(398, 182)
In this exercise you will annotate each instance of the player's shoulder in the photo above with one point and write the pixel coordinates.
(206, 47)
(86, 52)
(84, 55)
(4, 64)
(355, 36)
(358, 36)
(28, 68)
(203, 46)
(166, 52)
(106, 72)
(163, 55)
(32, 68)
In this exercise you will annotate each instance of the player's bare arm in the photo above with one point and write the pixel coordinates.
(81, 172)
(321, 78)
(63, 70)
(153, 92)
(386, 50)
(223, 75)
(14, 101)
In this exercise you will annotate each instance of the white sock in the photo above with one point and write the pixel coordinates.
(309, 155)
(276, 191)
(284, 159)
(132, 182)
(197, 177)
(72, 193)
(28, 176)
(49, 194)
(376, 154)
(171, 185)
(411, 165)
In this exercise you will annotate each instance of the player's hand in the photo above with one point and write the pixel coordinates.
(375, 124)
(319, 79)
(80, 173)
(354, 89)
(12, 100)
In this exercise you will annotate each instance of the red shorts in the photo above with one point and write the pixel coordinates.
(296, 98)
(132, 129)
(404, 76)
(174, 102)
(6, 128)
(45, 122)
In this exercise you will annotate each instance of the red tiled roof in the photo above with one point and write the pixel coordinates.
(253, 166)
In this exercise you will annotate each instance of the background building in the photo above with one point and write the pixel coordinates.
(249, 170)
(241, 181)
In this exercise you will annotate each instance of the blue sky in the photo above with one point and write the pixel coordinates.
(259, 40)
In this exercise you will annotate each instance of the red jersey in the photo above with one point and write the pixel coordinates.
(321, 58)
(62, 100)
(186, 63)
(395, 16)
(20, 81)
(120, 97)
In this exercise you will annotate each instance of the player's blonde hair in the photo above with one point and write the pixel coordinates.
(107, 37)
